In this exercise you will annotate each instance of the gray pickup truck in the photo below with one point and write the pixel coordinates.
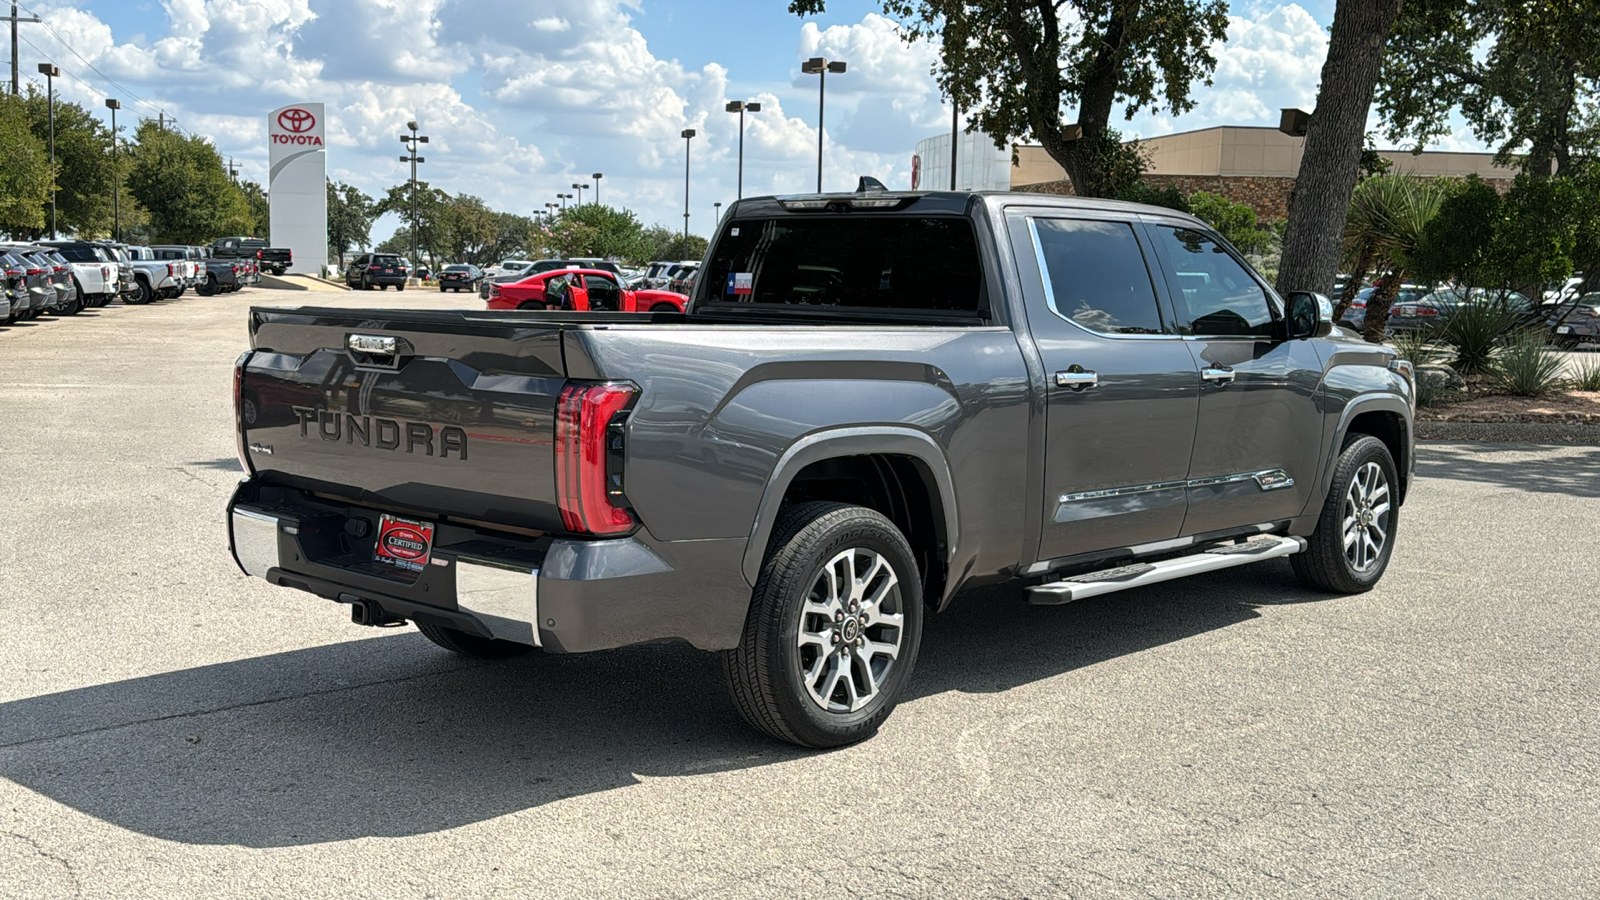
(874, 401)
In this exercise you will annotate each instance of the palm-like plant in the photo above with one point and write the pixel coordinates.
(1388, 214)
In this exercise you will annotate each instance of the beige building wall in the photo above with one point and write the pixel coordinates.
(1231, 150)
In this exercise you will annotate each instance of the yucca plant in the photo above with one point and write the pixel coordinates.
(1525, 366)
(1587, 376)
(1387, 216)
(1473, 331)
(1421, 347)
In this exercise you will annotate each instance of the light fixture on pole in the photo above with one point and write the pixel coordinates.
(597, 176)
(741, 107)
(579, 188)
(50, 72)
(411, 141)
(116, 176)
(717, 209)
(821, 66)
(687, 135)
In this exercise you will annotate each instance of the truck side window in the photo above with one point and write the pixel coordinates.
(1096, 276)
(1221, 298)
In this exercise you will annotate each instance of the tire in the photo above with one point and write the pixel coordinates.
(400, 287)
(1325, 564)
(442, 288)
(765, 672)
(142, 292)
(663, 307)
(532, 305)
(458, 641)
(209, 288)
(79, 301)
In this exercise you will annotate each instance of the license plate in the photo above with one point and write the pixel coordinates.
(1564, 329)
(403, 543)
(388, 271)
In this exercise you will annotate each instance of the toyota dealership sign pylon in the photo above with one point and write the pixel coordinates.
(297, 184)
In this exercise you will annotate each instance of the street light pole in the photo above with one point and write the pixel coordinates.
(597, 177)
(687, 135)
(411, 141)
(50, 72)
(579, 188)
(116, 176)
(741, 107)
(821, 66)
(955, 126)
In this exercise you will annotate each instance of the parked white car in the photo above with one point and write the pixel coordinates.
(94, 270)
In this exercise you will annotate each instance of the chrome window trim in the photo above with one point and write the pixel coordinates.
(1265, 479)
(1050, 291)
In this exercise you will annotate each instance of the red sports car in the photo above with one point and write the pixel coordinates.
(581, 290)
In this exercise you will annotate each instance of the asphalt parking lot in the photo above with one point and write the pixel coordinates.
(170, 728)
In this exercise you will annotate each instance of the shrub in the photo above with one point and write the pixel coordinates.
(1474, 331)
(1526, 367)
(1420, 347)
(1587, 377)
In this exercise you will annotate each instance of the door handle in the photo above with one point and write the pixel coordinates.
(1078, 378)
(1218, 375)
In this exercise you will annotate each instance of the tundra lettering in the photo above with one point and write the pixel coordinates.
(332, 426)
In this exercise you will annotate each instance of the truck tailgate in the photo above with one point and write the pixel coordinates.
(440, 413)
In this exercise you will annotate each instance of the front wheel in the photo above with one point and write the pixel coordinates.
(833, 629)
(663, 307)
(1350, 549)
(458, 641)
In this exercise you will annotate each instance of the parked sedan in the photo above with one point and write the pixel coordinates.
(1356, 315)
(377, 270)
(580, 290)
(1435, 309)
(1576, 321)
(460, 278)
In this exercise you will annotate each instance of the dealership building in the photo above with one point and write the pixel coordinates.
(1251, 165)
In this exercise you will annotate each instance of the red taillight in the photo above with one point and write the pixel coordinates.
(61, 268)
(35, 271)
(588, 458)
(1425, 311)
(374, 268)
(169, 268)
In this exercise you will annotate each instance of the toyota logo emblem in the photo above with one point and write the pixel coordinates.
(296, 120)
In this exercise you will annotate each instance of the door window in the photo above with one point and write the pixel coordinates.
(1095, 275)
(602, 293)
(1220, 297)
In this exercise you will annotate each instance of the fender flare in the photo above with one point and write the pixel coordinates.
(857, 441)
(1365, 403)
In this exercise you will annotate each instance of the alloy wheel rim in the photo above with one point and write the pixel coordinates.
(1366, 517)
(851, 626)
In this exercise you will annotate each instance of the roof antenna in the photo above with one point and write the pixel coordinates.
(869, 185)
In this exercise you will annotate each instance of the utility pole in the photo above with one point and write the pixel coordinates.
(15, 20)
(233, 170)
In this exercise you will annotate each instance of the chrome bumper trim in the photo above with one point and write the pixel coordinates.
(255, 541)
(504, 598)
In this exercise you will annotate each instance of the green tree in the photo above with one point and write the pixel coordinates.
(86, 171)
(1017, 65)
(431, 203)
(1235, 221)
(349, 219)
(669, 244)
(1143, 192)
(603, 231)
(24, 172)
(1332, 161)
(260, 210)
(1523, 73)
(180, 180)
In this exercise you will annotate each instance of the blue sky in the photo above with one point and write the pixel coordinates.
(524, 97)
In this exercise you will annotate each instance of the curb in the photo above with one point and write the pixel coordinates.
(1511, 432)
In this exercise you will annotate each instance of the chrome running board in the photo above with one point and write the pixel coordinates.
(1107, 581)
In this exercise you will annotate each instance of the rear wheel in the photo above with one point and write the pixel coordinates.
(833, 629)
(141, 292)
(533, 304)
(458, 641)
(400, 287)
(1350, 549)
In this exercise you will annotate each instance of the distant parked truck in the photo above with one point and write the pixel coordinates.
(276, 260)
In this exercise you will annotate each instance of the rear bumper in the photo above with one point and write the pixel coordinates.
(563, 595)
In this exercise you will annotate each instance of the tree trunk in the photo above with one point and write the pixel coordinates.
(1353, 287)
(1332, 158)
(1378, 306)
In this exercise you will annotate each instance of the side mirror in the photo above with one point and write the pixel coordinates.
(1310, 315)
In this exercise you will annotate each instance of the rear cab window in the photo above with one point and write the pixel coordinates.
(864, 264)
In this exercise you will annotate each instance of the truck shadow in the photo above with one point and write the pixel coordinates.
(1577, 474)
(389, 736)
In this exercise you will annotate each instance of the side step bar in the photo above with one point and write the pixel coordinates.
(1107, 581)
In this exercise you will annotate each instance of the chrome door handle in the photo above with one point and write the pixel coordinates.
(1077, 378)
(1217, 374)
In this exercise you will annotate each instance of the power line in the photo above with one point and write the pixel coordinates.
(70, 49)
(170, 120)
